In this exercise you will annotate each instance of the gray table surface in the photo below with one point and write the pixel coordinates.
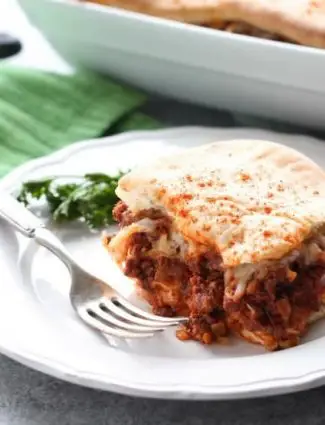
(28, 397)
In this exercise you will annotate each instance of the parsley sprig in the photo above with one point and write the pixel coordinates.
(90, 199)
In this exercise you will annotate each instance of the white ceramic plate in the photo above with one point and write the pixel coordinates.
(39, 328)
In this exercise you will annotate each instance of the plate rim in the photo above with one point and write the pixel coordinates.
(200, 391)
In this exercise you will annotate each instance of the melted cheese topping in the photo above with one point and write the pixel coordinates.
(240, 276)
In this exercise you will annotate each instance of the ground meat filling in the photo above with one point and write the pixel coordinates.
(246, 29)
(275, 308)
(125, 217)
(193, 288)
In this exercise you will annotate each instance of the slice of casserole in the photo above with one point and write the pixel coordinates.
(230, 234)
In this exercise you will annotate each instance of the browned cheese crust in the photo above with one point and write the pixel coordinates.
(300, 21)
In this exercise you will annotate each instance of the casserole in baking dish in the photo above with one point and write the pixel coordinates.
(188, 62)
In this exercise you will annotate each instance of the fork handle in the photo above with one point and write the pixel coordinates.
(18, 216)
(14, 213)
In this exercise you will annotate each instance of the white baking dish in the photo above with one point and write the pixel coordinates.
(200, 65)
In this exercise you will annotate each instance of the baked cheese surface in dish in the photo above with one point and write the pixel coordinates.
(298, 21)
(230, 234)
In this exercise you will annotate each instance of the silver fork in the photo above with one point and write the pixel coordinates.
(96, 302)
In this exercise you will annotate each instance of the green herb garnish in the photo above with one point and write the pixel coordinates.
(91, 199)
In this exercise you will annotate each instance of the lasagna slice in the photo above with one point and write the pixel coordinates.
(298, 21)
(231, 235)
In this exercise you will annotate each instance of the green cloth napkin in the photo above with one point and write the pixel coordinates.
(41, 112)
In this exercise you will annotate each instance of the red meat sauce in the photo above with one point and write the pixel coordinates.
(275, 307)
(193, 288)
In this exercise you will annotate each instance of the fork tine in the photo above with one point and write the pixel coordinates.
(136, 310)
(107, 329)
(105, 315)
(123, 314)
